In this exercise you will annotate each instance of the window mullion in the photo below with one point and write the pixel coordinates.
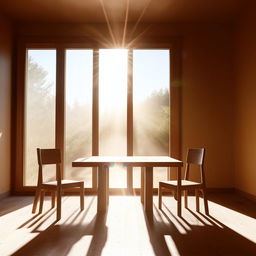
(60, 99)
(130, 117)
(95, 113)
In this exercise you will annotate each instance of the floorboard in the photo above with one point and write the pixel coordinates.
(125, 229)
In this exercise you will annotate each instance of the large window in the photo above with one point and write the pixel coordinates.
(116, 102)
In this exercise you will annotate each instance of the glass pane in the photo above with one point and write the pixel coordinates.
(113, 108)
(78, 119)
(151, 80)
(39, 110)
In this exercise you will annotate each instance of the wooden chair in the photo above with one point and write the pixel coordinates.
(48, 157)
(194, 156)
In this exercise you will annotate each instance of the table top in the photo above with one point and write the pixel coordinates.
(135, 161)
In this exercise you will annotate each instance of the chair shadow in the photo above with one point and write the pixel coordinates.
(58, 239)
(34, 219)
(211, 237)
(235, 202)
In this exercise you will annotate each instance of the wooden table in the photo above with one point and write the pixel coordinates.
(148, 162)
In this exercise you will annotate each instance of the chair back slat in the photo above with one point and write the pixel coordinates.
(48, 156)
(195, 156)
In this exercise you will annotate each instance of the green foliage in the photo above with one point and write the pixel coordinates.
(78, 135)
(151, 125)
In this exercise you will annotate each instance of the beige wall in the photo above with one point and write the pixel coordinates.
(207, 88)
(245, 134)
(5, 104)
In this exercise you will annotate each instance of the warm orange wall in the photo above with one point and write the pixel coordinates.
(245, 135)
(207, 102)
(207, 88)
(5, 104)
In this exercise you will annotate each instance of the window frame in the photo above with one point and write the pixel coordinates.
(61, 44)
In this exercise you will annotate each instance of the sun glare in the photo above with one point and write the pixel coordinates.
(113, 108)
(112, 78)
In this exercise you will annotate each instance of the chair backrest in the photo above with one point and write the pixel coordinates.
(46, 157)
(195, 156)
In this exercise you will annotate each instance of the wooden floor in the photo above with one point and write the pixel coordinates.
(126, 230)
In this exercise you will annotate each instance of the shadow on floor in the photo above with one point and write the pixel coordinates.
(169, 234)
(235, 202)
(9, 204)
(209, 238)
(59, 239)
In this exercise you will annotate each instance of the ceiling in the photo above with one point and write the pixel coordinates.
(98, 11)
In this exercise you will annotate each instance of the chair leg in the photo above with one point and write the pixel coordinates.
(59, 191)
(41, 201)
(53, 194)
(205, 202)
(197, 200)
(82, 197)
(186, 198)
(37, 195)
(174, 192)
(160, 197)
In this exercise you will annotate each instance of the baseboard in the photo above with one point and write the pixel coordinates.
(246, 195)
(4, 195)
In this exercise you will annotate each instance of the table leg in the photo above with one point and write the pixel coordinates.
(148, 189)
(179, 191)
(107, 189)
(102, 189)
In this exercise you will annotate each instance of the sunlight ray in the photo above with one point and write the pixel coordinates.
(82, 245)
(171, 245)
(140, 17)
(125, 22)
(108, 23)
(99, 36)
(138, 36)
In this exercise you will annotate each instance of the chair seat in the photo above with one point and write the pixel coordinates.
(184, 183)
(64, 183)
